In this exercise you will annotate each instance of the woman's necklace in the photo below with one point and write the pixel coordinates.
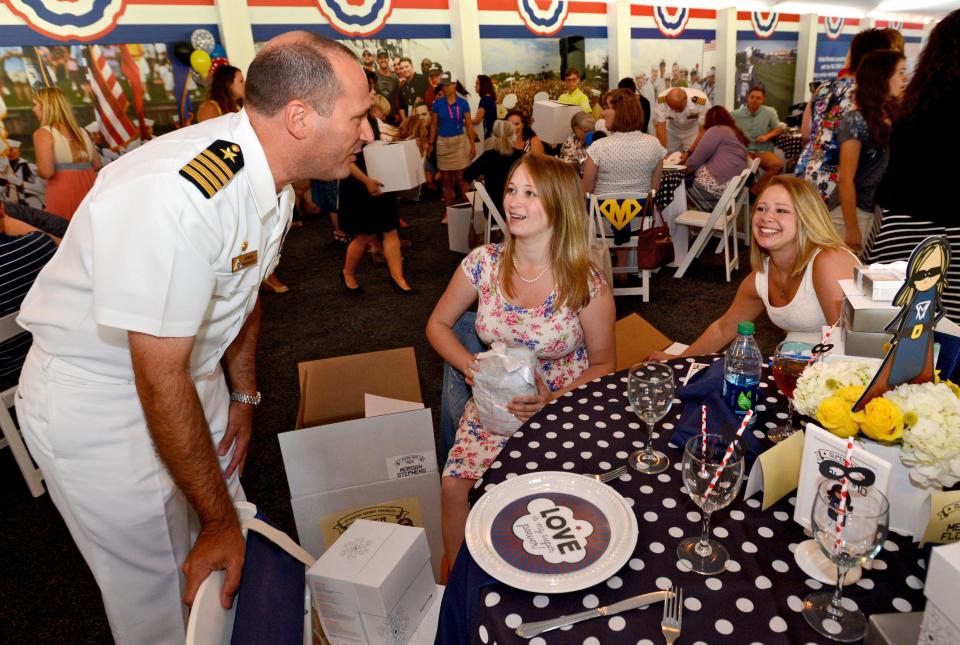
(781, 285)
(532, 280)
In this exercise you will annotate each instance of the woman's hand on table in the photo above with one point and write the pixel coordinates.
(524, 407)
(662, 356)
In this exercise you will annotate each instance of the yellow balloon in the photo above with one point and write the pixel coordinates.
(200, 62)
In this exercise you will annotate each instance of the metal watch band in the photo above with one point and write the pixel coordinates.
(253, 400)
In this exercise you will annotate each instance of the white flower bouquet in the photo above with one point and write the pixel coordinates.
(820, 380)
(931, 437)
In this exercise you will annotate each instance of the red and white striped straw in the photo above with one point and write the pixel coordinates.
(842, 511)
(726, 455)
(703, 440)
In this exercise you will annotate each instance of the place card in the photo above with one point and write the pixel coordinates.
(777, 471)
(942, 516)
(823, 455)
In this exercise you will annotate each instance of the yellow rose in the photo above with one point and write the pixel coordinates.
(881, 419)
(833, 413)
(851, 393)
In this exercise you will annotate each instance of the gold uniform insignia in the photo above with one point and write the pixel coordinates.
(214, 167)
(700, 100)
(662, 98)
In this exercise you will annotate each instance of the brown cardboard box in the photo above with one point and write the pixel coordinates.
(332, 389)
(636, 340)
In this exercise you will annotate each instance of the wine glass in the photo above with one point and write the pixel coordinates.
(650, 390)
(702, 457)
(789, 361)
(863, 522)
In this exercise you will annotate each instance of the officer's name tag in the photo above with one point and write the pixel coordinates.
(243, 261)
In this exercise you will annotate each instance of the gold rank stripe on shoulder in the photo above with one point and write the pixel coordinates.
(214, 167)
(662, 98)
(700, 100)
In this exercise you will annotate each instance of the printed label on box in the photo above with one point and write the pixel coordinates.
(404, 511)
(408, 465)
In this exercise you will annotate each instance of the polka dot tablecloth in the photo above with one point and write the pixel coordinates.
(669, 180)
(791, 143)
(758, 599)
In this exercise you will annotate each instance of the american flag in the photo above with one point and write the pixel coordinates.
(710, 46)
(111, 103)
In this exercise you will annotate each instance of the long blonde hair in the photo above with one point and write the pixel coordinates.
(504, 136)
(57, 113)
(814, 228)
(560, 193)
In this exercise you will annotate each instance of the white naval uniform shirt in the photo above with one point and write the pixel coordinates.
(147, 251)
(682, 127)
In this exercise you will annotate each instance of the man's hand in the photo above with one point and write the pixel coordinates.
(853, 239)
(219, 547)
(239, 429)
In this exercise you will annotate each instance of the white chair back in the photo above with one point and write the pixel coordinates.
(495, 221)
(599, 222)
(11, 434)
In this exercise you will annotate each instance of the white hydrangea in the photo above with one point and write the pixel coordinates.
(819, 381)
(931, 446)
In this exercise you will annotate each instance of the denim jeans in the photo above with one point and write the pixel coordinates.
(456, 392)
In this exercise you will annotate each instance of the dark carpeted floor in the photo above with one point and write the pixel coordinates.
(49, 595)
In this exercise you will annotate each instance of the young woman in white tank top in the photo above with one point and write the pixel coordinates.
(797, 258)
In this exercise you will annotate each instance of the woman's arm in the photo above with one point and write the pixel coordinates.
(830, 266)
(805, 123)
(43, 146)
(656, 176)
(207, 110)
(704, 151)
(589, 175)
(536, 146)
(372, 186)
(434, 128)
(849, 159)
(471, 134)
(458, 297)
(479, 117)
(746, 305)
(597, 320)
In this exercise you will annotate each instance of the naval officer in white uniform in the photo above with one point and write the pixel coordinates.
(137, 397)
(681, 112)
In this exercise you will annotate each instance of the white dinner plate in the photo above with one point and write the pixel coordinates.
(551, 532)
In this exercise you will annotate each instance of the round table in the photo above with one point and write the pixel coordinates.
(758, 598)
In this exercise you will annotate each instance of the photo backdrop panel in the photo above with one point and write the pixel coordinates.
(673, 47)
(43, 22)
(523, 44)
(833, 42)
(352, 19)
(767, 56)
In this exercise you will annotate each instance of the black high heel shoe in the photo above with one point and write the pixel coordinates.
(406, 292)
(355, 290)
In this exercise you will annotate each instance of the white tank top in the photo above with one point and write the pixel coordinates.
(802, 314)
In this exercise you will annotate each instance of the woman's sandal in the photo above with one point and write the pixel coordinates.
(340, 236)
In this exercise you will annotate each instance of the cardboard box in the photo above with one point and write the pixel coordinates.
(941, 618)
(397, 165)
(636, 340)
(880, 285)
(893, 629)
(551, 120)
(374, 585)
(341, 466)
(863, 343)
(863, 314)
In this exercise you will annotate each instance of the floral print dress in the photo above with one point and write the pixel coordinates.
(553, 333)
(819, 162)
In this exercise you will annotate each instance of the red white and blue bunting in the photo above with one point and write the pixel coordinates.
(833, 27)
(764, 23)
(84, 20)
(356, 18)
(671, 21)
(544, 18)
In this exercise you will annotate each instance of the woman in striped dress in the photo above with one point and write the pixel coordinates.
(918, 192)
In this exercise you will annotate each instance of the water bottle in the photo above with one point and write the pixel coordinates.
(741, 371)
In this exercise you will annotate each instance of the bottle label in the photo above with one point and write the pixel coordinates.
(740, 398)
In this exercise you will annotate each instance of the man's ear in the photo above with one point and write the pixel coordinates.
(295, 118)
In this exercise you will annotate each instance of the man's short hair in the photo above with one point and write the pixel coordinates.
(406, 59)
(299, 69)
(758, 88)
(627, 83)
(572, 71)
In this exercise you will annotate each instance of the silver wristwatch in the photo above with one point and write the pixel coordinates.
(253, 400)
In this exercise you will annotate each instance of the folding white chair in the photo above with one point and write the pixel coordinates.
(743, 202)
(11, 434)
(620, 206)
(721, 220)
(495, 221)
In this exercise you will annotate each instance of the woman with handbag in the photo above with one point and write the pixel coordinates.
(798, 260)
(720, 156)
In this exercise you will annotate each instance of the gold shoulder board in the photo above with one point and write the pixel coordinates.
(699, 100)
(214, 167)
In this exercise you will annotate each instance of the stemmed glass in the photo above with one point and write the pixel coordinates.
(789, 361)
(863, 519)
(702, 457)
(650, 390)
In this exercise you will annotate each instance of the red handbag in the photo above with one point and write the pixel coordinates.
(654, 246)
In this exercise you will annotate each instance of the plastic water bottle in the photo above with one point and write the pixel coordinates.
(741, 371)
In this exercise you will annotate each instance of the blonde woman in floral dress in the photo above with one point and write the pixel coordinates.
(537, 289)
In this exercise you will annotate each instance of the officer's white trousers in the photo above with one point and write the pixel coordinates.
(133, 526)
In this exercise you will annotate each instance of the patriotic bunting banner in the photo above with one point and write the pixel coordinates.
(356, 18)
(671, 21)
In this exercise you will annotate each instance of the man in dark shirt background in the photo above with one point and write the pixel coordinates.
(387, 85)
(414, 86)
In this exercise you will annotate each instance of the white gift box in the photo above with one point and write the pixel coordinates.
(941, 618)
(551, 120)
(397, 165)
(374, 585)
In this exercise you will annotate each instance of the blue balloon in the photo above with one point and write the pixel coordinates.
(218, 51)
